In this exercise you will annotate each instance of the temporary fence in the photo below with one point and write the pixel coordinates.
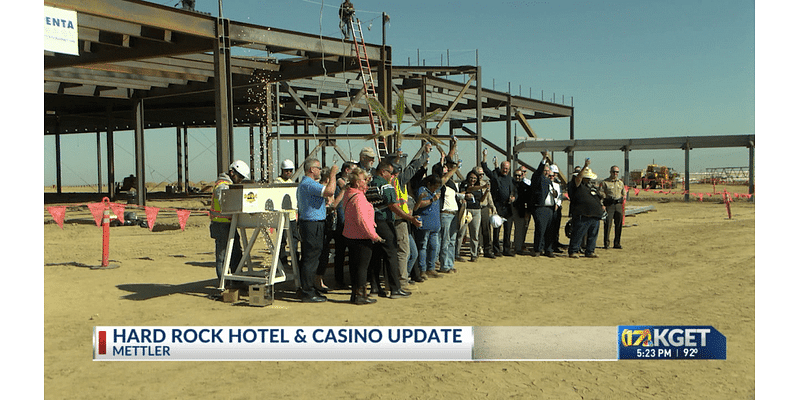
(101, 212)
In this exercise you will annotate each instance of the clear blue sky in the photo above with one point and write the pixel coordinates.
(631, 68)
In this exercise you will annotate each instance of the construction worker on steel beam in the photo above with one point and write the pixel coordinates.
(346, 13)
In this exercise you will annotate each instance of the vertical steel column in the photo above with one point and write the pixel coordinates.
(252, 153)
(262, 140)
(178, 147)
(478, 112)
(99, 165)
(296, 143)
(224, 96)
(423, 94)
(186, 159)
(570, 153)
(138, 141)
(686, 165)
(509, 143)
(627, 176)
(306, 150)
(112, 192)
(278, 127)
(58, 161)
(751, 172)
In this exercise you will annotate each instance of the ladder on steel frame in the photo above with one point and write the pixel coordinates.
(375, 119)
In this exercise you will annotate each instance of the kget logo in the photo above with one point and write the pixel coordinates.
(643, 337)
(671, 342)
(250, 197)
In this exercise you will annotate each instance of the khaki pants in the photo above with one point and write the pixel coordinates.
(403, 249)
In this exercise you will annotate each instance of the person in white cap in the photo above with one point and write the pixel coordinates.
(366, 160)
(221, 223)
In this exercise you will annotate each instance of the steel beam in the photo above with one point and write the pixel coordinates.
(138, 142)
(687, 147)
(112, 191)
(283, 41)
(663, 143)
(224, 96)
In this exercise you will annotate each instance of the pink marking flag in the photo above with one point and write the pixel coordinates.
(58, 213)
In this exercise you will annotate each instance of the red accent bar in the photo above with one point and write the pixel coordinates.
(101, 342)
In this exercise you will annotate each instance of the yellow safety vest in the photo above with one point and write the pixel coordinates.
(402, 194)
(216, 210)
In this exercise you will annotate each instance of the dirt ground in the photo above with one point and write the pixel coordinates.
(682, 264)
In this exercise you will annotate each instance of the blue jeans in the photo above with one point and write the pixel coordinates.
(219, 231)
(447, 237)
(413, 253)
(584, 226)
(428, 246)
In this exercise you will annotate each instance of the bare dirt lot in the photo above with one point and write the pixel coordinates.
(682, 264)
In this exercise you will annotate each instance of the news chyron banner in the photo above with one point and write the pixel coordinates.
(406, 343)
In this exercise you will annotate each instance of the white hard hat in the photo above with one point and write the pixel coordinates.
(241, 167)
(497, 221)
(287, 164)
(554, 168)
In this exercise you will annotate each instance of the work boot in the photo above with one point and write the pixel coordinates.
(359, 296)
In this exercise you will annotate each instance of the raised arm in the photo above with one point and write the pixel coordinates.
(330, 188)
(579, 178)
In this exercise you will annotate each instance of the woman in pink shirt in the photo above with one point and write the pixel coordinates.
(359, 233)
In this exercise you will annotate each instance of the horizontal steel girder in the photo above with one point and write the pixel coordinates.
(665, 143)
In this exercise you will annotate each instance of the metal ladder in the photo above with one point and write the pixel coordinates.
(375, 119)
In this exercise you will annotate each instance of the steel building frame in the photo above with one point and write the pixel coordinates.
(143, 65)
(685, 143)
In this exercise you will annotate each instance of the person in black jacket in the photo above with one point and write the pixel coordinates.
(504, 192)
(586, 210)
(520, 210)
(542, 205)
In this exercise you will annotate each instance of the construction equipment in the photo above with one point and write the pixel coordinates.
(655, 176)
(375, 119)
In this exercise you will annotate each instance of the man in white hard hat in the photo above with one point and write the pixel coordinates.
(287, 170)
(221, 223)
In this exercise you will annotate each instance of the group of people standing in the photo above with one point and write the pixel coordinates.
(398, 222)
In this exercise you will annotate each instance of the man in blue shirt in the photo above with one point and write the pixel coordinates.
(311, 222)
